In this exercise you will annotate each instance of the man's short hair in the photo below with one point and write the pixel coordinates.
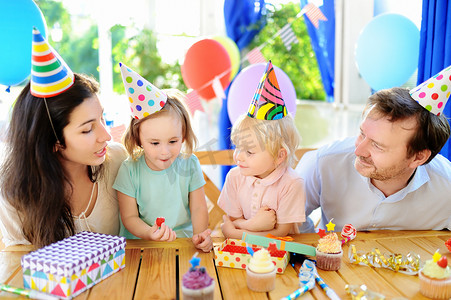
(432, 131)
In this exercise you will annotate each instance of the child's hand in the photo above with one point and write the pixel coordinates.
(203, 241)
(164, 233)
(264, 220)
(228, 228)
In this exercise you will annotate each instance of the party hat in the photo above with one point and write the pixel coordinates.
(145, 98)
(268, 103)
(50, 75)
(434, 92)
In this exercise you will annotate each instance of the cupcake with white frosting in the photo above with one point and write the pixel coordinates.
(261, 272)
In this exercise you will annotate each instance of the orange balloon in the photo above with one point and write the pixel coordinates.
(205, 60)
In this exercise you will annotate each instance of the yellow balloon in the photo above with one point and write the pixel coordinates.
(232, 50)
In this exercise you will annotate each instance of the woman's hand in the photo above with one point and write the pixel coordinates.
(202, 241)
(164, 233)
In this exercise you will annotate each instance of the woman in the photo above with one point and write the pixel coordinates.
(58, 172)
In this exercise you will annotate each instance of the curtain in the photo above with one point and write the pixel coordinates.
(323, 43)
(243, 19)
(435, 47)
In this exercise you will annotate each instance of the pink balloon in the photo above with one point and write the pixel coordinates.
(245, 84)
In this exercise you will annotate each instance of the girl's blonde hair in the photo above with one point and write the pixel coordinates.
(175, 104)
(272, 134)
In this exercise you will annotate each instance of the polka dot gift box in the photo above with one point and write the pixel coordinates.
(71, 266)
(234, 253)
(145, 98)
(434, 92)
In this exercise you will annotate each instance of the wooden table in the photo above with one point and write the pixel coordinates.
(154, 269)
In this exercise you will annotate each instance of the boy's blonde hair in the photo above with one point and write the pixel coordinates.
(175, 104)
(273, 135)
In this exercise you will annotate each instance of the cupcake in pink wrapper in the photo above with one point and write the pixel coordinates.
(329, 252)
(196, 283)
(435, 278)
(261, 272)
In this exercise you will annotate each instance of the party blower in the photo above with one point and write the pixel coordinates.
(309, 266)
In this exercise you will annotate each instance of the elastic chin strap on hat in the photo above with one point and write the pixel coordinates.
(50, 119)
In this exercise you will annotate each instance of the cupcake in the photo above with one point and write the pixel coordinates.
(435, 278)
(329, 253)
(196, 283)
(261, 272)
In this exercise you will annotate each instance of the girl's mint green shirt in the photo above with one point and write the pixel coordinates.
(161, 193)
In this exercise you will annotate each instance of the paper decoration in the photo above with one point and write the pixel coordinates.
(218, 89)
(145, 98)
(407, 264)
(234, 253)
(50, 75)
(70, 266)
(255, 56)
(314, 14)
(193, 102)
(268, 103)
(288, 37)
(434, 92)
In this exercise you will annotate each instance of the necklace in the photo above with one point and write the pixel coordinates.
(83, 214)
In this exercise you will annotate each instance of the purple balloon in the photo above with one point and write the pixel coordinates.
(243, 88)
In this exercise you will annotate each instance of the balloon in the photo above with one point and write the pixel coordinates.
(232, 50)
(205, 60)
(387, 51)
(245, 84)
(17, 19)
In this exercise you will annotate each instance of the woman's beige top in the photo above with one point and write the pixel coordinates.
(104, 217)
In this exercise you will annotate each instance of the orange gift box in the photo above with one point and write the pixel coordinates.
(233, 254)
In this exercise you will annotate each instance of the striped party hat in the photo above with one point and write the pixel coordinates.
(434, 92)
(145, 98)
(268, 103)
(50, 75)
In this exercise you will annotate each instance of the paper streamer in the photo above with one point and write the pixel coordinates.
(408, 264)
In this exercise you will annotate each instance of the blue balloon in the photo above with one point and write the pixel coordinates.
(387, 51)
(17, 19)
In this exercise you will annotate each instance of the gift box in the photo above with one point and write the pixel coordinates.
(233, 254)
(70, 266)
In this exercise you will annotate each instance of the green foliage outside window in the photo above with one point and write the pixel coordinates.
(300, 62)
(139, 51)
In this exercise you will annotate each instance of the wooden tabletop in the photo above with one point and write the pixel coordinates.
(154, 269)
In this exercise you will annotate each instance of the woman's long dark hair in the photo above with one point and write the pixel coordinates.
(32, 177)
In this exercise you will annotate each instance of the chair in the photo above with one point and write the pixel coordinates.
(222, 158)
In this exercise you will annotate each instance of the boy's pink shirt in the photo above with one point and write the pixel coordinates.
(282, 191)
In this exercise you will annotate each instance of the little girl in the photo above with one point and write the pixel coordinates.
(263, 195)
(157, 180)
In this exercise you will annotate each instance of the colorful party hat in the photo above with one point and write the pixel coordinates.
(268, 103)
(50, 75)
(434, 92)
(145, 98)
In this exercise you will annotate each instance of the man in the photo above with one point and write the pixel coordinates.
(390, 176)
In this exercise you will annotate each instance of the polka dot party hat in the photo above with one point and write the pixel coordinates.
(145, 98)
(50, 74)
(268, 103)
(434, 92)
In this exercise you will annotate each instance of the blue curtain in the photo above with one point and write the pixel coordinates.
(243, 19)
(323, 43)
(435, 47)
